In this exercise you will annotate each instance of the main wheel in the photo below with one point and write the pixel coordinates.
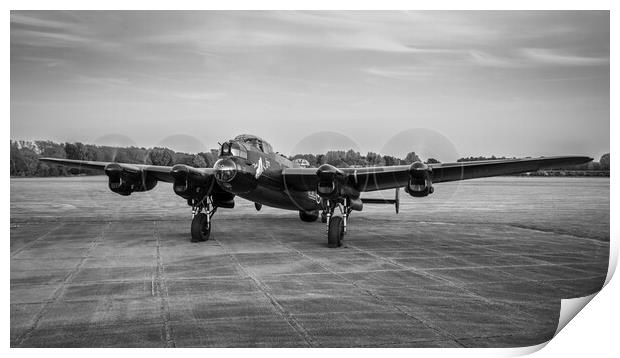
(323, 217)
(335, 232)
(201, 228)
(309, 216)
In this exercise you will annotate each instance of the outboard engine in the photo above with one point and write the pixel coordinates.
(126, 179)
(420, 182)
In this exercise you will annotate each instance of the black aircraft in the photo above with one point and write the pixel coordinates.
(248, 167)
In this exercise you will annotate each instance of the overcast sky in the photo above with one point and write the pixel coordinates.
(509, 83)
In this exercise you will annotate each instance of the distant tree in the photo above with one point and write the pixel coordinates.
(183, 158)
(411, 157)
(161, 156)
(198, 161)
(27, 145)
(209, 158)
(47, 148)
(122, 156)
(389, 160)
(100, 155)
(336, 158)
(74, 151)
(320, 159)
(352, 157)
(18, 162)
(24, 157)
(374, 159)
(30, 159)
(90, 152)
(605, 164)
(134, 155)
(432, 161)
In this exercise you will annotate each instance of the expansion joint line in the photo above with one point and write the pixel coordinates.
(450, 283)
(424, 273)
(63, 286)
(28, 245)
(372, 294)
(161, 290)
(287, 316)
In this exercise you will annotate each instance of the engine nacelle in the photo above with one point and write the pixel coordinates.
(328, 189)
(330, 178)
(125, 180)
(420, 182)
(189, 182)
(331, 183)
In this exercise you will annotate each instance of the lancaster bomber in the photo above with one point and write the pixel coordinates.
(248, 167)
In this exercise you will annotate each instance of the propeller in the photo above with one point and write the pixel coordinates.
(430, 146)
(320, 143)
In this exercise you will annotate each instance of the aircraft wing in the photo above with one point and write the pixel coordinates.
(381, 178)
(488, 168)
(160, 173)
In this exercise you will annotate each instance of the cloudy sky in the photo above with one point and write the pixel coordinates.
(509, 83)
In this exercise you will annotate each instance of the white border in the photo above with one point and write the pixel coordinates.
(593, 330)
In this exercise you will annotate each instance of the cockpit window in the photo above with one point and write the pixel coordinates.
(239, 151)
(235, 149)
(225, 149)
(256, 142)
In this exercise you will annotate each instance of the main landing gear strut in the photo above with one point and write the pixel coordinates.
(336, 225)
(202, 211)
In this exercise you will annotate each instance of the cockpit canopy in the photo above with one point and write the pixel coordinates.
(254, 141)
(233, 148)
(241, 144)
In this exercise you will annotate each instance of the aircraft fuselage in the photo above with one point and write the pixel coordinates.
(247, 167)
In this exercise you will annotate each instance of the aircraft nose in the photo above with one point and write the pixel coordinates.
(225, 170)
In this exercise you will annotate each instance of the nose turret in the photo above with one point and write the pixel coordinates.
(225, 170)
(234, 175)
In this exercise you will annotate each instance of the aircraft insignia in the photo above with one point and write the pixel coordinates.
(260, 167)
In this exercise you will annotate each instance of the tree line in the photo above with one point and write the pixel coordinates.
(351, 158)
(601, 165)
(24, 158)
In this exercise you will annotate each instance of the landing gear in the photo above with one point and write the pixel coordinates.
(335, 232)
(324, 216)
(201, 227)
(336, 225)
(201, 221)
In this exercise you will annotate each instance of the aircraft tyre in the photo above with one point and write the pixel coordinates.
(323, 217)
(201, 228)
(309, 216)
(335, 232)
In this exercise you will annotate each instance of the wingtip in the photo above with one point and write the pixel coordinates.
(586, 159)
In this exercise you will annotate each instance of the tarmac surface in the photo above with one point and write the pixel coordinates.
(480, 264)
